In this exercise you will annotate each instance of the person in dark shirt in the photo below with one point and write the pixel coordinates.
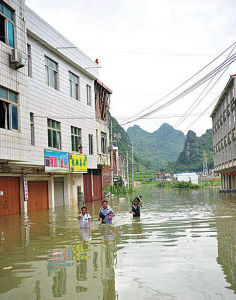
(135, 210)
(139, 199)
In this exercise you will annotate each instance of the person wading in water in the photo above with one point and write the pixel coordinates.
(84, 218)
(135, 210)
(106, 213)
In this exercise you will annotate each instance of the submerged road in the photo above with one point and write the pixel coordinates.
(182, 247)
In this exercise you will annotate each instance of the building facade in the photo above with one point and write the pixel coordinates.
(224, 136)
(48, 127)
(102, 104)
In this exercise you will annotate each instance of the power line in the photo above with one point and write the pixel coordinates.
(199, 99)
(215, 71)
(186, 81)
(210, 103)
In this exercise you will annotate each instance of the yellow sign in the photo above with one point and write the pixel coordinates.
(78, 163)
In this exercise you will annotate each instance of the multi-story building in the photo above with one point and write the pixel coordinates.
(48, 144)
(102, 104)
(224, 136)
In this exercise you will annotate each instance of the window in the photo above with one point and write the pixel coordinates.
(89, 99)
(76, 140)
(6, 25)
(54, 134)
(74, 86)
(51, 68)
(29, 60)
(8, 109)
(32, 129)
(103, 142)
(90, 144)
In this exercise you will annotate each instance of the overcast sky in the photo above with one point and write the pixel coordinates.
(147, 48)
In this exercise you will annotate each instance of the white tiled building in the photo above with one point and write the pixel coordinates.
(224, 136)
(42, 105)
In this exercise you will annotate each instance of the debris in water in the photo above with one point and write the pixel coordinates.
(7, 268)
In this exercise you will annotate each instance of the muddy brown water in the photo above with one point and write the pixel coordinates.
(182, 247)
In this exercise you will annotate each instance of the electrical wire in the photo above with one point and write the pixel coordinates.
(199, 99)
(186, 81)
(215, 71)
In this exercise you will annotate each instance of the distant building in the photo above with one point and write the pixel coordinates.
(117, 164)
(224, 136)
(187, 177)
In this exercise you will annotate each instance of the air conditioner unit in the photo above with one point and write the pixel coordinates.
(17, 59)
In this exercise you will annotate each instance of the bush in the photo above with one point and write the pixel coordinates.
(176, 185)
(119, 189)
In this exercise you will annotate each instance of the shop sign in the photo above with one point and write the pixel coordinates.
(56, 161)
(26, 194)
(78, 163)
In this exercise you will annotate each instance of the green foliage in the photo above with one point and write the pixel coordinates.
(157, 148)
(191, 158)
(173, 184)
(124, 145)
(119, 190)
(208, 183)
(165, 149)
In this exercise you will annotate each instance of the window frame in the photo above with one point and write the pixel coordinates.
(77, 85)
(29, 56)
(57, 131)
(74, 136)
(91, 152)
(103, 142)
(89, 94)
(11, 104)
(6, 21)
(55, 73)
(32, 129)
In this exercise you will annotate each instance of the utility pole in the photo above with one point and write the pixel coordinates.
(127, 168)
(205, 167)
(132, 164)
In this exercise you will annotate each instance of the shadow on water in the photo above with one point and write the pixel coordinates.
(182, 247)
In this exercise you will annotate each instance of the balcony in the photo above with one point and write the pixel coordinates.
(103, 159)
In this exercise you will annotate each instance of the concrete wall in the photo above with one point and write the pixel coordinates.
(14, 145)
(45, 101)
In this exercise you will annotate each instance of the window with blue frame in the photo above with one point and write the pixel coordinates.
(6, 24)
(8, 109)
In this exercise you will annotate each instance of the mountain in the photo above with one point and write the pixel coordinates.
(122, 140)
(191, 158)
(159, 147)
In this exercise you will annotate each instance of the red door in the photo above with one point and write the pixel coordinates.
(9, 196)
(87, 187)
(97, 185)
(38, 195)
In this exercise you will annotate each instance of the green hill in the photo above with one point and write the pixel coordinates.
(159, 147)
(191, 158)
(122, 140)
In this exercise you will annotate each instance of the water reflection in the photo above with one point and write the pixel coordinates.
(167, 253)
(226, 228)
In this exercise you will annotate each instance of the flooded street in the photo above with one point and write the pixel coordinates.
(182, 247)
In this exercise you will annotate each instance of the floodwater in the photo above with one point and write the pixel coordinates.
(182, 247)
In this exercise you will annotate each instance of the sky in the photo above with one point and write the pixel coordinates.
(146, 48)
